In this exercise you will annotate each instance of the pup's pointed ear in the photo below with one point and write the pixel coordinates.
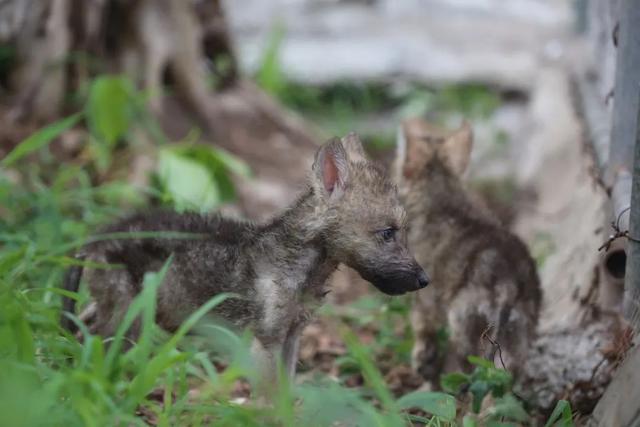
(331, 169)
(410, 150)
(457, 148)
(353, 147)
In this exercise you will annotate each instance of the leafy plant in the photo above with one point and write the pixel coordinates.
(196, 177)
(484, 380)
(488, 380)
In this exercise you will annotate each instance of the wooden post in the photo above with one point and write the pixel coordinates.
(632, 279)
(619, 406)
(625, 95)
(625, 146)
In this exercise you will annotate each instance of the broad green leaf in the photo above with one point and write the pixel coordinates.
(110, 107)
(39, 139)
(439, 404)
(220, 165)
(187, 182)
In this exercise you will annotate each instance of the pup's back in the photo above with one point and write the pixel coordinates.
(484, 280)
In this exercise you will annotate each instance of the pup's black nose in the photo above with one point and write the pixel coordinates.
(423, 279)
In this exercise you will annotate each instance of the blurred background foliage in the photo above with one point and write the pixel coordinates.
(340, 107)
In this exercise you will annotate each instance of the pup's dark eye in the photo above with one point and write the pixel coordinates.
(388, 234)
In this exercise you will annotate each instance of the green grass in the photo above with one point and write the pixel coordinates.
(48, 209)
(49, 377)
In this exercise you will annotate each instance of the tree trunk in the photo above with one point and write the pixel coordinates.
(61, 44)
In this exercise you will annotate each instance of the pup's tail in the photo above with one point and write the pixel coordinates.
(71, 283)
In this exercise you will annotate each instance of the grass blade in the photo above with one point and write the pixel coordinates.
(561, 415)
(39, 139)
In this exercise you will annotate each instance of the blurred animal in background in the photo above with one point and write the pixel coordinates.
(486, 294)
(349, 213)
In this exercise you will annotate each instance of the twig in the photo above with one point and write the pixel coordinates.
(494, 343)
(496, 346)
(596, 368)
(618, 233)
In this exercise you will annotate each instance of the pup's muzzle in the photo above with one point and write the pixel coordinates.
(398, 283)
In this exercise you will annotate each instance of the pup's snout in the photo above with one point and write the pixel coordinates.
(423, 279)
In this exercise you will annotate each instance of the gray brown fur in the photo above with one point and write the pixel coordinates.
(278, 269)
(483, 276)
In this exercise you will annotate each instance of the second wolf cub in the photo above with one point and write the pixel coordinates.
(483, 279)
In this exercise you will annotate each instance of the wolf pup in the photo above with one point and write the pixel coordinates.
(484, 280)
(349, 213)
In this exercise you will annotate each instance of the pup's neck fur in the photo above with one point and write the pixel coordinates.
(291, 264)
(294, 242)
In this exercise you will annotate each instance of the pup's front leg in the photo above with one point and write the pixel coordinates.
(426, 360)
(266, 356)
(290, 348)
